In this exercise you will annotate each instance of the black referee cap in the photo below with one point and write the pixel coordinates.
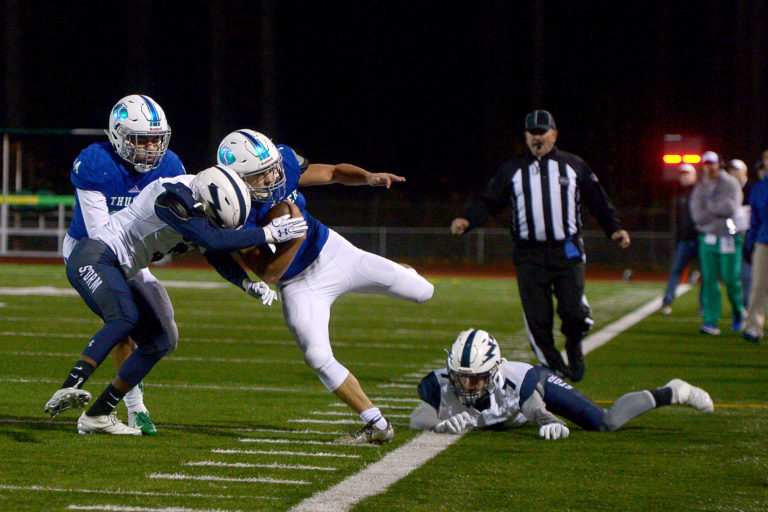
(539, 120)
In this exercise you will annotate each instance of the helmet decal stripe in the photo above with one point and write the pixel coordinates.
(240, 198)
(466, 354)
(154, 116)
(262, 152)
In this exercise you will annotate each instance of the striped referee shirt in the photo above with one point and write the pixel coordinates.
(546, 196)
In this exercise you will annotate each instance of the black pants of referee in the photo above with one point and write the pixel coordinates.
(547, 269)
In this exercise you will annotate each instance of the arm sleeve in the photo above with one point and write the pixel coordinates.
(535, 410)
(700, 215)
(597, 200)
(724, 205)
(423, 417)
(93, 204)
(491, 201)
(203, 233)
(227, 267)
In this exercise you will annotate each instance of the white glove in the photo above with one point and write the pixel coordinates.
(457, 424)
(260, 290)
(285, 228)
(552, 431)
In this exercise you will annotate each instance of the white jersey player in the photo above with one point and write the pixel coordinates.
(166, 217)
(479, 389)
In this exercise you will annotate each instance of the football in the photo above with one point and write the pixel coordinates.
(269, 262)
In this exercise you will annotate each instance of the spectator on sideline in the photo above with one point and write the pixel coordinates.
(738, 169)
(756, 250)
(686, 236)
(546, 187)
(715, 201)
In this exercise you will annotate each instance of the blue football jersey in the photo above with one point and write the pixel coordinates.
(98, 168)
(317, 233)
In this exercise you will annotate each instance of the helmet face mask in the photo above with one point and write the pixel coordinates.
(224, 196)
(139, 132)
(472, 362)
(256, 159)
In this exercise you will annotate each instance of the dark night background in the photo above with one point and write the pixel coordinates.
(435, 91)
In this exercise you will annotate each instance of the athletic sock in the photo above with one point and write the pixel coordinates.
(374, 415)
(663, 396)
(79, 374)
(106, 403)
(134, 400)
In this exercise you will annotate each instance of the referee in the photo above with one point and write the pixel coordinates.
(546, 187)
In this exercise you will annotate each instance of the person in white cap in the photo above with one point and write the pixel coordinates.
(715, 200)
(686, 236)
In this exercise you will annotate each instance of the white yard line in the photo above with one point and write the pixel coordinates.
(397, 464)
(212, 478)
(291, 453)
(125, 492)
(274, 465)
(123, 508)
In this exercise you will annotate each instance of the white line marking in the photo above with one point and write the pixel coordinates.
(121, 492)
(350, 413)
(297, 454)
(326, 422)
(122, 508)
(212, 478)
(399, 386)
(53, 291)
(274, 465)
(377, 477)
(289, 431)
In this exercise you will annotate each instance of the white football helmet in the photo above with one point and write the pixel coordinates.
(133, 121)
(224, 196)
(250, 153)
(473, 361)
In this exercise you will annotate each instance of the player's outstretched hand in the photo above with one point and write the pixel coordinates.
(459, 225)
(285, 228)
(183, 195)
(553, 431)
(260, 290)
(457, 424)
(383, 179)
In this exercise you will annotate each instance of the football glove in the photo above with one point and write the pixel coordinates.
(457, 424)
(260, 290)
(285, 228)
(183, 195)
(552, 431)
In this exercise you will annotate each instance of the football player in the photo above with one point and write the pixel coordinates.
(480, 389)
(324, 267)
(169, 216)
(107, 176)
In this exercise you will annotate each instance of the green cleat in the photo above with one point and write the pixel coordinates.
(143, 422)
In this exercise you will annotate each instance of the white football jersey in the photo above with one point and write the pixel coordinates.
(504, 400)
(136, 235)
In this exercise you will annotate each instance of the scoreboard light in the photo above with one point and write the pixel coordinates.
(678, 149)
(672, 159)
(691, 159)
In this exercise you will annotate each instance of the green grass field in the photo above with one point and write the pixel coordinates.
(244, 425)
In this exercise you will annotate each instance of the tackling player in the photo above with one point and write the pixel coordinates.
(164, 218)
(109, 175)
(480, 389)
(324, 267)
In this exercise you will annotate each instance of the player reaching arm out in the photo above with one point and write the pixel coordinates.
(346, 174)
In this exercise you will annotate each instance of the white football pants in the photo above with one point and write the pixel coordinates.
(340, 268)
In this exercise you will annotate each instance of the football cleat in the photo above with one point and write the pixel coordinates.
(369, 434)
(67, 398)
(709, 329)
(143, 422)
(666, 309)
(576, 364)
(107, 424)
(751, 336)
(685, 394)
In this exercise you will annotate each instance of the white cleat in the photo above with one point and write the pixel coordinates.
(67, 398)
(685, 394)
(107, 424)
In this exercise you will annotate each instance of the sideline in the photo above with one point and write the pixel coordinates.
(397, 464)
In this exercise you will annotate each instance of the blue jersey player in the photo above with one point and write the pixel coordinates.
(325, 266)
(107, 177)
(479, 389)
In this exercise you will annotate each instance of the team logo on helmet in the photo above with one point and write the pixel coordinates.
(120, 111)
(226, 156)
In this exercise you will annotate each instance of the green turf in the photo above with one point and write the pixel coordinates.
(238, 375)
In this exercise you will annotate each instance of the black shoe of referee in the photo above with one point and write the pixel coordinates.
(576, 364)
